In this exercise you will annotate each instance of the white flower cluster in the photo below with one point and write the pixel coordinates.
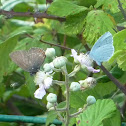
(44, 78)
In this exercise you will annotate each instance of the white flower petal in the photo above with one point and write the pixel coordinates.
(47, 82)
(74, 53)
(85, 59)
(40, 92)
(40, 75)
(93, 70)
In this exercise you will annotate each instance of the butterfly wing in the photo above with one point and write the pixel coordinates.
(29, 61)
(36, 57)
(20, 58)
(103, 49)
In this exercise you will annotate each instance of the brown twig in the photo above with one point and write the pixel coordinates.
(113, 79)
(121, 9)
(31, 14)
(51, 44)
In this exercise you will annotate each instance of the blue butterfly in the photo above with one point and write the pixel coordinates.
(103, 49)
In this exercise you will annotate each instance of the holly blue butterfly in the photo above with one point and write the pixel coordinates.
(103, 49)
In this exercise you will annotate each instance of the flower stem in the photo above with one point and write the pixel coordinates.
(77, 113)
(67, 98)
(58, 113)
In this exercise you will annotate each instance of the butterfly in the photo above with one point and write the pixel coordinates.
(103, 49)
(30, 60)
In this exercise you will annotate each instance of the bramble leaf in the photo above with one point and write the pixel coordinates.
(97, 23)
(96, 113)
(64, 8)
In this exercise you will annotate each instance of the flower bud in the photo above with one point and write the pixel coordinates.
(59, 61)
(52, 98)
(50, 52)
(75, 86)
(49, 105)
(90, 100)
(47, 67)
(87, 83)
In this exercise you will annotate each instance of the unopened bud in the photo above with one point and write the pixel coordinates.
(75, 86)
(52, 98)
(91, 100)
(50, 52)
(59, 61)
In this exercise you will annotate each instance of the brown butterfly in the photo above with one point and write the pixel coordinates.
(30, 60)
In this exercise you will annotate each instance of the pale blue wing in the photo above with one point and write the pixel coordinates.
(103, 49)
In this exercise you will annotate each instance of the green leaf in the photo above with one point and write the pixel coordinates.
(97, 23)
(114, 121)
(120, 40)
(0, 3)
(87, 3)
(111, 5)
(21, 22)
(51, 116)
(96, 113)
(74, 23)
(64, 8)
(5, 49)
(10, 4)
(21, 30)
(22, 91)
(2, 90)
(120, 57)
(30, 83)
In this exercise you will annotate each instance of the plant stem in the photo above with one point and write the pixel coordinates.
(121, 9)
(67, 98)
(61, 118)
(77, 113)
(31, 14)
(49, 43)
(114, 80)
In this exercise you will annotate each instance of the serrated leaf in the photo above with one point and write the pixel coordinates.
(120, 57)
(120, 40)
(96, 113)
(111, 5)
(51, 116)
(64, 8)
(97, 23)
(74, 23)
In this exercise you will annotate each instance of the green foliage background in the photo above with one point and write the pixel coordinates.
(86, 21)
